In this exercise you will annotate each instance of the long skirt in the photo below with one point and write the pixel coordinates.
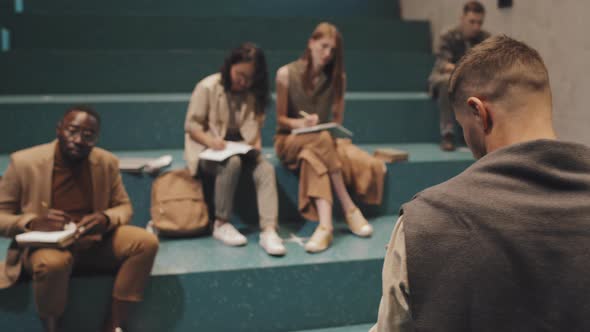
(316, 155)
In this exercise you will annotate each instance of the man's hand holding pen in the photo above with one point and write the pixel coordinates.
(54, 220)
(96, 223)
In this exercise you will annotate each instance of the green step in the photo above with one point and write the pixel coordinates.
(198, 283)
(372, 8)
(180, 32)
(155, 122)
(50, 72)
(427, 166)
(201, 285)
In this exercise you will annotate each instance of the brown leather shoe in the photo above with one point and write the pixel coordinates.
(357, 223)
(320, 240)
(448, 143)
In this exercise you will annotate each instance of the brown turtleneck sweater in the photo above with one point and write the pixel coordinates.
(71, 189)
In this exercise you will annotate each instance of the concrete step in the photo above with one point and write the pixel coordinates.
(70, 72)
(96, 32)
(201, 285)
(156, 121)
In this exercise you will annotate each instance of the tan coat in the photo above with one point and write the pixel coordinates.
(208, 109)
(25, 193)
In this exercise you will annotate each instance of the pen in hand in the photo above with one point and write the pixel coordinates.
(96, 223)
(83, 229)
(217, 142)
(304, 113)
(309, 119)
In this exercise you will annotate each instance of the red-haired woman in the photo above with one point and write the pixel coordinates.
(316, 83)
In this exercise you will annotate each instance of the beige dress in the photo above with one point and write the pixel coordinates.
(316, 155)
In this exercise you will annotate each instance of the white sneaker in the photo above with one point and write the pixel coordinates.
(272, 243)
(229, 235)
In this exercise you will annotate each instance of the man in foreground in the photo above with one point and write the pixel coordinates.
(505, 245)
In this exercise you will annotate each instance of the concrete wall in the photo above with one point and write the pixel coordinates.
(558, 29)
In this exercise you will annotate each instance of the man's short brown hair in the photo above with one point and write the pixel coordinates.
(490, 69)
(474, 7)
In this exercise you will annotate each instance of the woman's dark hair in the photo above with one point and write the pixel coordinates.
(249, 52)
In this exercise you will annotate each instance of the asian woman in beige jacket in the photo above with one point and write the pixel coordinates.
(229, 106)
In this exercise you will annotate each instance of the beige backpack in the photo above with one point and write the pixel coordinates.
(178, 205)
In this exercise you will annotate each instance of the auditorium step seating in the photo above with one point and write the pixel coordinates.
(108, 71)
(201, 285)
(164, 32)
(137, 62)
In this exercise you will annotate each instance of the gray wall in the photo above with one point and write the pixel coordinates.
(558, 29)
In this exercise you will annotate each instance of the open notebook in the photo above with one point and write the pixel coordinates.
(334, 128)
(148, 165)
(231, 148)
(58, 239)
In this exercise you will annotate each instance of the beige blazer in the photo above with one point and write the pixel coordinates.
(208, 109)
(25, 192)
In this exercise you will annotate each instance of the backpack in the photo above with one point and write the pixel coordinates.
(178, 205)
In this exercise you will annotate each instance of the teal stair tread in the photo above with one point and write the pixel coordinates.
(418, 153)
(165, 32)
(372, 8)
(201, 285)
(425, 152)
(349, 328)
(153, 124)
(58, 71)
(205, 254)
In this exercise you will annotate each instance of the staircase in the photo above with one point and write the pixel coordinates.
(137, 62)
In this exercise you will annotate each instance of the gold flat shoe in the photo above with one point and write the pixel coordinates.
(320, 240)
